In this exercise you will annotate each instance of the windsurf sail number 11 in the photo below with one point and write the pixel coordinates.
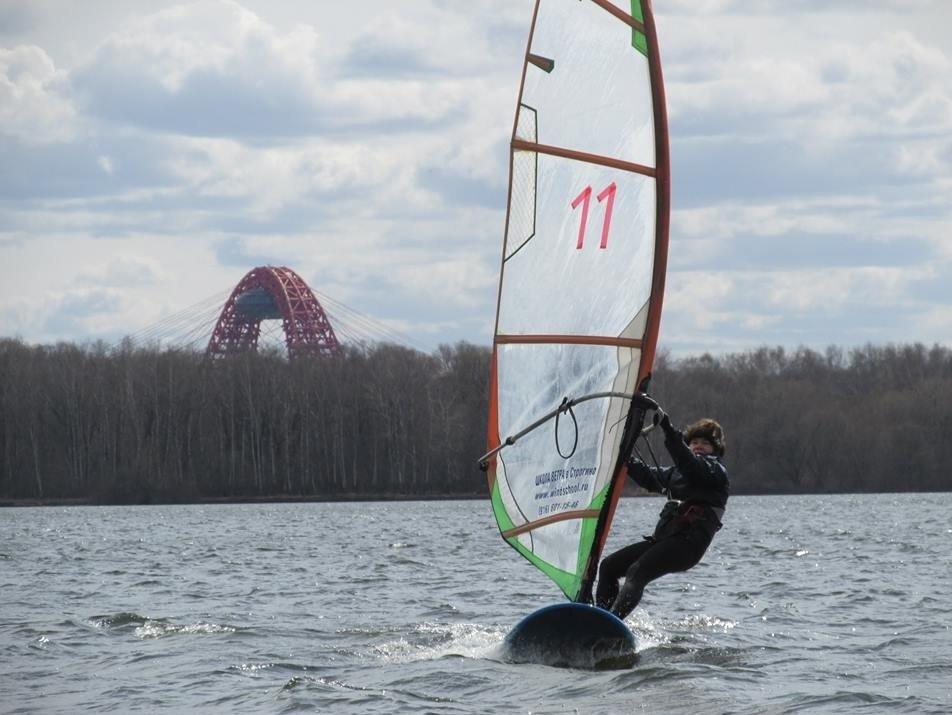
(581, 281)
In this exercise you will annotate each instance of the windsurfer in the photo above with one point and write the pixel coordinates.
(697, 489)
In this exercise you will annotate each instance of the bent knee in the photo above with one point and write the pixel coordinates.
(611, 568)
(635, 575)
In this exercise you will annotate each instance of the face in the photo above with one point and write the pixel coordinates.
(699, 446)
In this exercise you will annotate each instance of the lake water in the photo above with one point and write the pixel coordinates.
(802, 604)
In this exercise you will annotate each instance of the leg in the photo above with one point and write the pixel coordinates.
(666, 556)
(612, 568)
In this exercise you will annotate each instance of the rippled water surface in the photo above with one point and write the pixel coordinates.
(802, 604)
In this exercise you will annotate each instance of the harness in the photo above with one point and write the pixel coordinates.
(678, 514)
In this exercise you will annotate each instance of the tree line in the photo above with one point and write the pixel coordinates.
(138, 425)
(870, 419)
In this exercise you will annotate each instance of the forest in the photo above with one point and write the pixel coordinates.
(105, 425)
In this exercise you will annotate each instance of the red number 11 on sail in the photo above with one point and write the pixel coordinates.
(584, 198)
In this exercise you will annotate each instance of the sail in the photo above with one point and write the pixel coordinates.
(581, 280)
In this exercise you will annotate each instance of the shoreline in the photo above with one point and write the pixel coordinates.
(329, 499)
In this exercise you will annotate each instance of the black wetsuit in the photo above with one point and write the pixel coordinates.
(697, 489)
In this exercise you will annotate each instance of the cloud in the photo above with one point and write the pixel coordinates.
(16, 18)
(796, 251)
(461, 188)
(235, 252)
(392, 46)
(815, 113)
(125, 272)
(810, 199)
(449, 282)
(206, 68)
(83, 287)
(213, 68)
(86, 312)
(98, 164)
(429, 298)
(34, 97)
(723, 310)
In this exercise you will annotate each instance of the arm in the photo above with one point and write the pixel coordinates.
(650, 478)
(702, 471)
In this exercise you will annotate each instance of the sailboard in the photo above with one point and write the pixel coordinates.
(581, 281)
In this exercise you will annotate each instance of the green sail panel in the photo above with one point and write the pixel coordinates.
(581, 279)
(638, 39)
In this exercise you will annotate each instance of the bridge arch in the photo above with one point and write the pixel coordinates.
(273, 292)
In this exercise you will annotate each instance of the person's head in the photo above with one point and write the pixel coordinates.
(705, 436)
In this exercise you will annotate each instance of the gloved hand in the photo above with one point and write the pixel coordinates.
(669, 429)
(637, 469)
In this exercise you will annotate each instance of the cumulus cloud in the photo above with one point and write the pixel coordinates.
(87, 311)
(810, 168)
(209, 67)
(728, 310)
(391, 45)
(460, 280)
(213, 68)
(808, 116)
(891, 85)
(35, 106)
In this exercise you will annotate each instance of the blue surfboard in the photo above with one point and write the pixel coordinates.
(571, 635)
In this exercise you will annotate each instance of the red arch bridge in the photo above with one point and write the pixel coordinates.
(269, 303)
(272, 292)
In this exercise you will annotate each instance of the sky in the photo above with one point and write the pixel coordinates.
(154, 151)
